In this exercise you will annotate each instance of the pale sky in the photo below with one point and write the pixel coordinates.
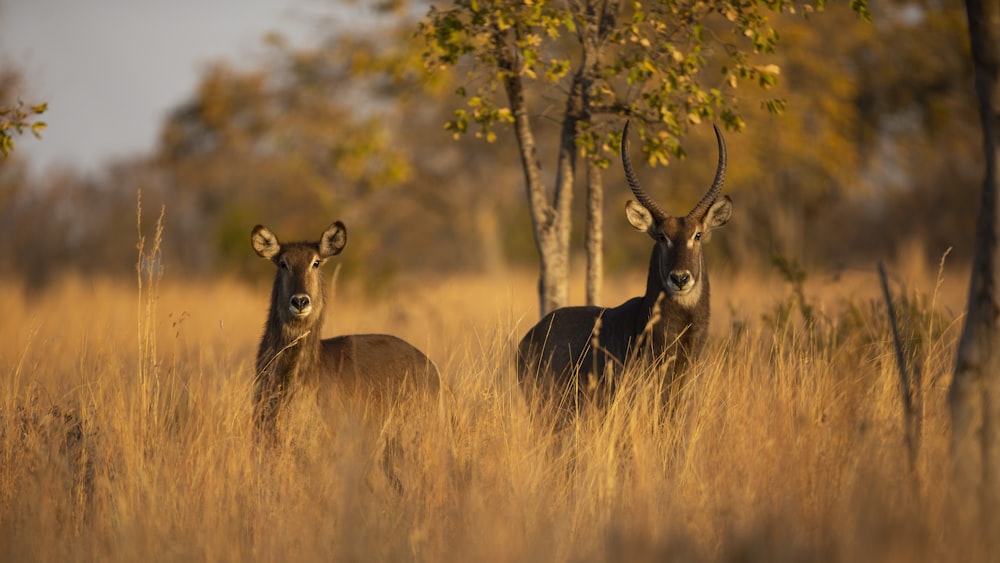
(111, 70)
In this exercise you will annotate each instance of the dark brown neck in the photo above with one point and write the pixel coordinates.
(675, 323)
(288, 349)
(286, 352)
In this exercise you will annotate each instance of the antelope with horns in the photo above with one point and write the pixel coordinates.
(376, 369)
(573, 348)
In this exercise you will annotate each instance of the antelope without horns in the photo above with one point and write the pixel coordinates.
(573, 347)
(376, 369)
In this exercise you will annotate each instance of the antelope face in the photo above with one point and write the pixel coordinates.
(678, 250)
(300, 281)
(298, 284)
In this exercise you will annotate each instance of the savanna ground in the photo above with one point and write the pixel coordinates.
(126, 431)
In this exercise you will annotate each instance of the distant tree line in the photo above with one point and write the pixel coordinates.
(874, 148)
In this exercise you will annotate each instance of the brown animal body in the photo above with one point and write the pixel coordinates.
(573, 347)
(370, 371)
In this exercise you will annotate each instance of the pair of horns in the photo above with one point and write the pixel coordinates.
(707, 200)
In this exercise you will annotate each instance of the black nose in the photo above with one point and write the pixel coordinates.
(680, 279)
(300, 302)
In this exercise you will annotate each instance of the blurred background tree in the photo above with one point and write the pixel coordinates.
(875, 153)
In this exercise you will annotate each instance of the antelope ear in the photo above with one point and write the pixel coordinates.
(333, 240)
(264, 243)
(718, 214)
(639, 217)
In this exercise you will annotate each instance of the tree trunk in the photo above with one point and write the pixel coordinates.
(596, 19)
(975, 390)
(551, 224)
(566, 178)
(595, 233)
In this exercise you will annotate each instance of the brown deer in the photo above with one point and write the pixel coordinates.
(573, 348)
(374, 371)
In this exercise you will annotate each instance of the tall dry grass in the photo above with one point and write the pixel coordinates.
(126, 432)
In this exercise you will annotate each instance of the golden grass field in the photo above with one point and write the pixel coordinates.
(126, 432)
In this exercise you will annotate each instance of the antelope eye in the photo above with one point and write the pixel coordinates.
(697, 236)
(282, 264)
(316, 263)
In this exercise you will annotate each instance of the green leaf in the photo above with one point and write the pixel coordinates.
(774, 105)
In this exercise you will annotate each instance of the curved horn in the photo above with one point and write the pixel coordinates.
(633, 182)
(720, 176)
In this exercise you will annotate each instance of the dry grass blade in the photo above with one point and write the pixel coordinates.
(906, 387)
